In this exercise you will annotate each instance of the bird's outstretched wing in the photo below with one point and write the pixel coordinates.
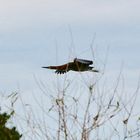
(83, 61)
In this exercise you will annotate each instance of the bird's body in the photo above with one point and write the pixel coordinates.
(79, 65)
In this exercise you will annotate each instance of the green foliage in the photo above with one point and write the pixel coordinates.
(7, 133)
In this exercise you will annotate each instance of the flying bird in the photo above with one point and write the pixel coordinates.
(79, 65)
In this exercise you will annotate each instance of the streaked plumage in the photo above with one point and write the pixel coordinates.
(77, 65)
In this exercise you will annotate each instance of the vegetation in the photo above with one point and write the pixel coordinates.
(75, 113)
(5, 132)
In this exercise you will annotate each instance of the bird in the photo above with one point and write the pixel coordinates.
(79, 65)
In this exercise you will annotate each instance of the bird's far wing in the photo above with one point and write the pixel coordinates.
(83, 61)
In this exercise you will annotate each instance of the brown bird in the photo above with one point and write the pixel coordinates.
(79, 65)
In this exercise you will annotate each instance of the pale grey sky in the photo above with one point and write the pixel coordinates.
(36, 33)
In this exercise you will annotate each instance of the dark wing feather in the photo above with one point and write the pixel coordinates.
(60, 71)
(83, 61)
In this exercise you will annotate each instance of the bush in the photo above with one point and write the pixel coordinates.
(7, 133)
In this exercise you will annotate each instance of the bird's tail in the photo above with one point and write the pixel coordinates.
(51, 67)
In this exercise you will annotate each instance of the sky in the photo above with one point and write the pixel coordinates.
(36, 33)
